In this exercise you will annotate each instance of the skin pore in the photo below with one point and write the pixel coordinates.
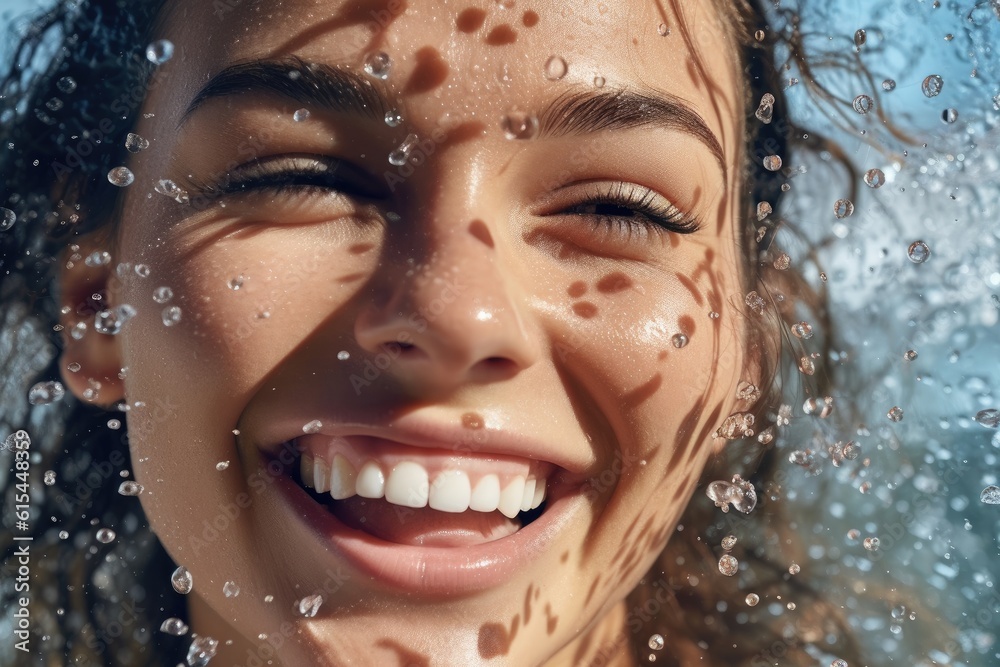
(503, 289)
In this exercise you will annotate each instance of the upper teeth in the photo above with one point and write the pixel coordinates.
(409, 484)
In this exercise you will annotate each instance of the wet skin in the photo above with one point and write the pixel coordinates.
(527, 302)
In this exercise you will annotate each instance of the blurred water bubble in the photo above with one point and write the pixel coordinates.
(871, 543)
(752, 599)
(130, 488)
(839, 662)
(782, 262)
(932, 85)
(160, 51)
(55, 104)
(918, 252)
(174, 626)
(794, 569)
(990, 418)
(874, 178)
(78, 331)
(312, 427)
(519, 125)
(230, 589)
(66, 85)
(378, 65)
(163, 294)
(741, 494)
(555, 68)
(772, 162)
(895, 414)
(343, 355)
(990, 495)
(400, 155)
(728, 565)
(98, 258)
(222, 465)
(765, 110)
(393, 118)
(888, 85)
(802, 330)
(910, 355)
(49, 478)
(309, 605)
(301, 115)
(106, 535)
(7, 219)
(764, 209)
(860, 37)
(63, 534)
(728, 542)
(135, 143)
(863, 104)
(171, 315)
(182, 581)
(843, 208)
(43, 393)
(121, 176)
(201, 651)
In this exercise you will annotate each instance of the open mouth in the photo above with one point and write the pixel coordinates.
(422, 497)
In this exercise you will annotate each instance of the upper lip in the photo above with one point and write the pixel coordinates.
(419, 432)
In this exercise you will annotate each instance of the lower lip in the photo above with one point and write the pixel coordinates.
(434, 570)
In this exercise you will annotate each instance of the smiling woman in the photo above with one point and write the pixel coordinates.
(426, 319)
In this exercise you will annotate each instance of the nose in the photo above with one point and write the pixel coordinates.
(456, 317)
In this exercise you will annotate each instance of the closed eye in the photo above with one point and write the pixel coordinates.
(630, 208)
(296, 174)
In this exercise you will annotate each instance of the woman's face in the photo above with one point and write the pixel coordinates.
(457, 321)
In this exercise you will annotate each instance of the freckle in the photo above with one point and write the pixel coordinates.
(663, 355)
(635, 40)
(564, 557)
(501, 35)
(585, 309)
(360, 248)
(430, 72)
(686, 324)
(614, 282)
(470, 20)
(577, 289)
(530, 19)
(478, 229)
(472, 420)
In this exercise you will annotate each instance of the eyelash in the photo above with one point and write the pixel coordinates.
(287, 176)
(652, 215)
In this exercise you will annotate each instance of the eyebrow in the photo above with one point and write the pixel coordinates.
(575, 113)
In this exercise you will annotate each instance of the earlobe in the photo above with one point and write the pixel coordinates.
(91, 361)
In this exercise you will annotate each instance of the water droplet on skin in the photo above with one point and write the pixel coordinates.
(134, 143)
(772, 163)
(932, 85)
(599, 82)
(860, 37)
(163, 294)
(66, 85)
(230, 589)
(222, 465)
(300, 115)
(105, 535)
(160, 51)
(989, 418)
(236, 283)
(7, 219)
(378, 65)
(121, 176)
(794, 569)
(130, 488)
(268, 598)
(393, 118)
(343, 355)
(168, 188)
(555, 68)
(863, 104)
(202, 650)
(49, 478)
(895, 414)
(990, 495)
(679, 340)
(663, 30)
(728, 565)
(728, 542)
(656, 642)
(98, 258)
(44, 393)
(398, 157)
(171, 315)
(141, 270)
(802, 330)
(182, 581)
(312, 427)
(519, 125)
(174, 626)
(871, 543)
(309, 605)
(843, 208)
(782, 262)
(874, 178)
(918, 252)
(752, 599)
(763, 210)
(949, 116)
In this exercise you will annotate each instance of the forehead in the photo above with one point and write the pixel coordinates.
(472, 55)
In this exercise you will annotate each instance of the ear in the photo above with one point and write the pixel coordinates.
(86, 289)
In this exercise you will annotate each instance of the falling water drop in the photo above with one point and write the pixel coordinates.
(134, 143)
(728, 565)
(66, 84)
(863, 104)
(990, 495)
(49, 478)
(398, 157)
(989, 418)
(121, 176)
(895, 414)
(656, 642)
(106, 535)
(949, 116)
(130, 488)
(174, 626)
(843, 208)
(43, 393)
(752, 599)
(918, 252)
(160, 51)
(309, 605)
(888, 85)
(182, 581)
(932, 85)
(7, 219)
(772, 162)
(163, 294)
(171, 315)
(874, 178)
(860, 37)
